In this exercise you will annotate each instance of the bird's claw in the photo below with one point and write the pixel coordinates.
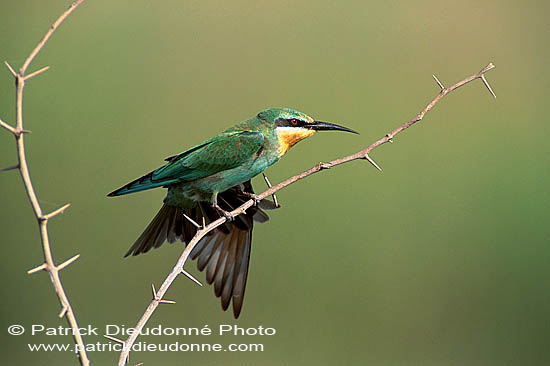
(253, 197)
(228, 215)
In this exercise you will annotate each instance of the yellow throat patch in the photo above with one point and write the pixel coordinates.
(289, 137)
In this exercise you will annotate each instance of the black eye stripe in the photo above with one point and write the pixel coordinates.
(290, 122)
(295, 122)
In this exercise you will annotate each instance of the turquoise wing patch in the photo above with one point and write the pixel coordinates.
(222, 152)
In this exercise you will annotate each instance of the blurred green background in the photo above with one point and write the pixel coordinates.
(442, 259)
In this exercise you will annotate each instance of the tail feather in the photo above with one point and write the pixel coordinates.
(224, 261)
(152, 233)
(141, 184)
(214, 258)
(206, 248)
(224, 254)
(229, 290)
(176, 221)
(239, 282)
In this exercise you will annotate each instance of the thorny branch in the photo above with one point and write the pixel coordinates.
(204, 230)
(18, 132)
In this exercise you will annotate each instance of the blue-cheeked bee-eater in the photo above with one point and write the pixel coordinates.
(212, 178)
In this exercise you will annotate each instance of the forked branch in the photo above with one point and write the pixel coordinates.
(42, 218)
(205, 229)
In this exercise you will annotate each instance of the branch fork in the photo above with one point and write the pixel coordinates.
(158, 298)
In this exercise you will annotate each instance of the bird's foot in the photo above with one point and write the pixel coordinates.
(228, 215)
(253, 197)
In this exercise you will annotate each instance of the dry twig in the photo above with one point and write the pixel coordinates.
(18, 132)
(363, 154)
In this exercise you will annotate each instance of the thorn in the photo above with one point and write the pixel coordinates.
(167, 301)
(23, 132)
(41, 267)
(56, 212)
(372, 162)
(267, 182)
(63, 311)
(13, 167)
(275, 201)
(156, 297)
(192, 221)
(36, 73)
(11, 69)
(114, 339)
(203, 223)
(273, 195)
(438, 82)
(487, 85)
(67, 262)
(183, 271)
(490, 66)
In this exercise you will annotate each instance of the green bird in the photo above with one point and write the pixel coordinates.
(212, 178)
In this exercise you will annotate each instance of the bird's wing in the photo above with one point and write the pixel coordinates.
(224, 151)
(224, 253)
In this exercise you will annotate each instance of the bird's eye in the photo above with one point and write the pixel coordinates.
(294, 122)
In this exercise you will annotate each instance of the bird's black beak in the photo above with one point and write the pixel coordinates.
(325, 126)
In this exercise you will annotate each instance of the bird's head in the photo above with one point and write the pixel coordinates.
(293, 126)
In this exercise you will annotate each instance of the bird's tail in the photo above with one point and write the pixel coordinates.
(142, 184)
(224, 253)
